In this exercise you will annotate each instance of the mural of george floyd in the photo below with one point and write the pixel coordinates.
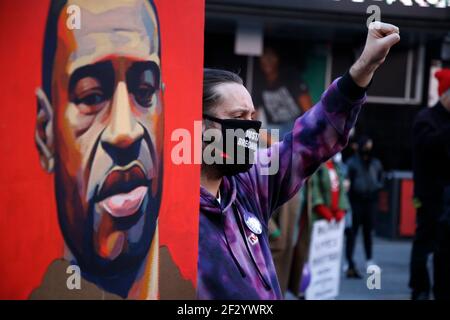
(74, 189)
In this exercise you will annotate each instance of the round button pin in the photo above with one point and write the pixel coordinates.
(253, 224)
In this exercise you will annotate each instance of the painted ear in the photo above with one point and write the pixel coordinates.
(44, 131)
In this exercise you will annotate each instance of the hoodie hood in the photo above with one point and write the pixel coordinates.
(209, 204)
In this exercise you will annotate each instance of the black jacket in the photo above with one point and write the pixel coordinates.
(366, 178)
(431, 154)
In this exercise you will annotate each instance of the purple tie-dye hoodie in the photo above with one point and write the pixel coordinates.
(234, 263)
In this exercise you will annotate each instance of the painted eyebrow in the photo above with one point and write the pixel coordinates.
(98, 70)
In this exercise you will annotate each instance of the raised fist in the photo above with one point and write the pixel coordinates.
(380, 38)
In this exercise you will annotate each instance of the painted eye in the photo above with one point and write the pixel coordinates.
(143, 81)
(144, 95)
(92, 99)
(89, 94)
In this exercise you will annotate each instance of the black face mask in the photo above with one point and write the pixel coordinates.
(241, 136)
(366, 154)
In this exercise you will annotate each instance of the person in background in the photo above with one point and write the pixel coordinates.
(431, 167)
(325, 197)
(366, 179)
(348, 152)
(283, 232)
(442, 254)
(329, 195)
(343, 169)
(281, 98)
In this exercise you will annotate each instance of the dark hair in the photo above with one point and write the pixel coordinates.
(211, 79)
(51, 38)
(272, 49)
(362, 141)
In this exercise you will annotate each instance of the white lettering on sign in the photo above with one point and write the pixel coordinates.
(410, 3)
(325, 259)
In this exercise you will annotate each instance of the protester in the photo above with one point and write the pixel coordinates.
(329, 197)
(366, 178)
(431, 159)
(329, 193)
(283, 231)
(442, 254)
(237, 200)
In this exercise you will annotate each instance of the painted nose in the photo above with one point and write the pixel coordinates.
(123, 130)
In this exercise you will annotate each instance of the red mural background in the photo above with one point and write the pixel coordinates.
(29, 232)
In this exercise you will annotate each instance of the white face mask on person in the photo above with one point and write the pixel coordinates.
(238, 144)
(337, 157)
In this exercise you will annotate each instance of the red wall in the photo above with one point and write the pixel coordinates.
(29, 233)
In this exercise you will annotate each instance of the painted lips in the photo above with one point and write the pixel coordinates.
(123, 192)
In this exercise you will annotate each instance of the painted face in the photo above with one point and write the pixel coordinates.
(108, 131)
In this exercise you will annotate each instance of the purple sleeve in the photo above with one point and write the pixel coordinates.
(317, 135)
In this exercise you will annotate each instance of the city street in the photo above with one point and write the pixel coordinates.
(393, 259)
